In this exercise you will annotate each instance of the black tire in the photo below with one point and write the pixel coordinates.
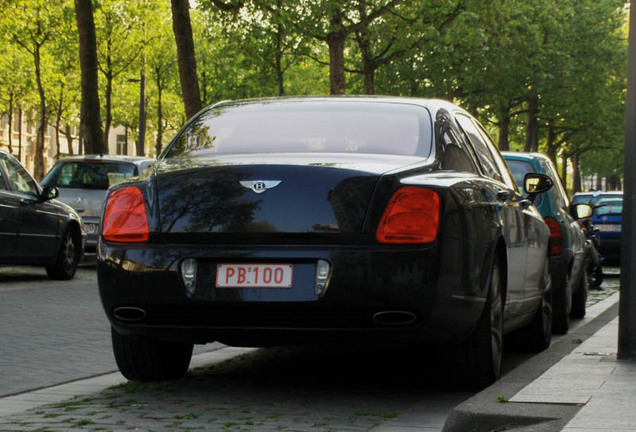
(481, 355)
(68, 257)
(579, 298)
(538, 335)
(144, 359)
(594, 276)
(562, 306)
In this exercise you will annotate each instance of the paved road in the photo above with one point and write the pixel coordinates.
(50, 331)
(56, 332)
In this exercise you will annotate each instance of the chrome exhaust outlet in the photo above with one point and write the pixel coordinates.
(394, 318)
(129, 313)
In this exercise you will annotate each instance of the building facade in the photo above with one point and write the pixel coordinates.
(23, 136)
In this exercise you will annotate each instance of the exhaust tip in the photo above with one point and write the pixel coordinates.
(129, 313)
(394, 318)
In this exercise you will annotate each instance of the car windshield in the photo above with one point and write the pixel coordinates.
(88, 175)
(609, 205)
(308, 127)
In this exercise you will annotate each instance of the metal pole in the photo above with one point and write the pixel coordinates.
(627, 305)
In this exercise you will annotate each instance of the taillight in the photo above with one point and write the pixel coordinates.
(556, 236)
(125, 218)
(412, 216)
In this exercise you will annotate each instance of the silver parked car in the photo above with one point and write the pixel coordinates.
(83, 180)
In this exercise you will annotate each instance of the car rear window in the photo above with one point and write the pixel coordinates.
(88, 175)
(308, 127)
(608, 205)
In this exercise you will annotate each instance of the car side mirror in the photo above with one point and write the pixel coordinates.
(582, 211)
(49, 193)
(535, 184)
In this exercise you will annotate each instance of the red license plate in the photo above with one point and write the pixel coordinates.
(254, 275)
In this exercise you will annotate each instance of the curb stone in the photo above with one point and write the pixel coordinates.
(484, 413)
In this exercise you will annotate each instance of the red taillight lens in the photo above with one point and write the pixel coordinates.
(556, 236)
(125, 218)
(412, 216)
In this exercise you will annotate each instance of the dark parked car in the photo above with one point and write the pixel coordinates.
(581, 198)
(83, 180)
(608, 220)
(568, 247)
(307, 220)
(36, 229)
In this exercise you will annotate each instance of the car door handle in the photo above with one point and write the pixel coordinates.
(503, 195)
(525, 203)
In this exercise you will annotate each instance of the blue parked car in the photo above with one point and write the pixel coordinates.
(568, 247)
(608, 219)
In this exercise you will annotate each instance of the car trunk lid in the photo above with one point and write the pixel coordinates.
(266, 199)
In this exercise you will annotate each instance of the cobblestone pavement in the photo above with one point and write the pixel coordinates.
(276, 389)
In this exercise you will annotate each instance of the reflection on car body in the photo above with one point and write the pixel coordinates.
(568, 247)
(35, 228)
(391, 220)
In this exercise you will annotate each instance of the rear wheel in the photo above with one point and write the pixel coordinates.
(562, 307)
(68, 257)
(579, 298)
(144, 359)
(481, 355)
(538, 335)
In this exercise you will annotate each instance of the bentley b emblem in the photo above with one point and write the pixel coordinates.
(259, 186)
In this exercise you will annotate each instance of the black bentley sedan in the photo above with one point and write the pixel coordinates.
(36, 229)
(309, 220)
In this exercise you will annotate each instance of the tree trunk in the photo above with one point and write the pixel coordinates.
(336, 42)
(551, 145)
(11, 124)
(141, 142)
(58, 122)
(90, 122)
(38, 160)
(108, 95)
(185, 55)
(68, 133)
(576, 174)
(504, 129)
(20, 134)
(279, 60)
(368, 70)
(564, 169)
(532, 126)
(159, 144)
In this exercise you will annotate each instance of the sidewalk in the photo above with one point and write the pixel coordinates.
(590, 376)
(580, 389)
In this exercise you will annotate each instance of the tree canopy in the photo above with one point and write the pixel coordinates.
(546, 75)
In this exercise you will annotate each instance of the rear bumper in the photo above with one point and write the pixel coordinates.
(610, 248)
(364, 282)
(558, 271)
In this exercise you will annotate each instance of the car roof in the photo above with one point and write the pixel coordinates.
(106, 158)
(524, 156)
(432, 104)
